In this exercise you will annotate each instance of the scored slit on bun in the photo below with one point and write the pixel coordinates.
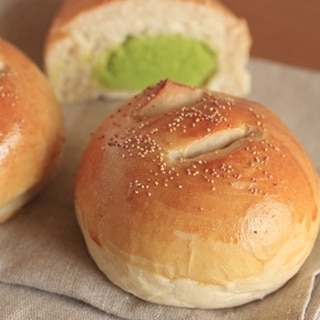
(31, 130)
(192, 198)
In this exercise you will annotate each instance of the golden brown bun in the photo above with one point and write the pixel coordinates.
(191, 198)
(31, 130)
(84, 31)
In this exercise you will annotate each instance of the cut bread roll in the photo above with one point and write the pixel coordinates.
(191, 198)
(31, 130)
(114, 48)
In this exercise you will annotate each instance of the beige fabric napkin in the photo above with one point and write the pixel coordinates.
(46, 272)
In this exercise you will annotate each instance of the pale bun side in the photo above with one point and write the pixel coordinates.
(83, 30)
(192, 198)
(31, 130)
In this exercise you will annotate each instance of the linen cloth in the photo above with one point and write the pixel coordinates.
(47, 273)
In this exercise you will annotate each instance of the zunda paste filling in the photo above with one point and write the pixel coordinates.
(143, 61)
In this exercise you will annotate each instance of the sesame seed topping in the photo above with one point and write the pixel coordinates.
(212, 113)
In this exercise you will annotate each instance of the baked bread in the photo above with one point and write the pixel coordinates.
(110, 48)
(191, 198)
(31, 130)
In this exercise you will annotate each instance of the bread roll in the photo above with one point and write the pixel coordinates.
(110, 48)
(191, 198)
(31, 130)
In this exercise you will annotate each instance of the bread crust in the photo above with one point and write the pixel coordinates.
(70, 9)
(31, 130)
(200, 190)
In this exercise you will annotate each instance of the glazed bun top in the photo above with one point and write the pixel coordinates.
(196, 187)
(31, 129)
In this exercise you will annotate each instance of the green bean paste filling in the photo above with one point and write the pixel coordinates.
(143, 61)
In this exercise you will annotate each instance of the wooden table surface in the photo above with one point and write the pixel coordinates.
(283, 30)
